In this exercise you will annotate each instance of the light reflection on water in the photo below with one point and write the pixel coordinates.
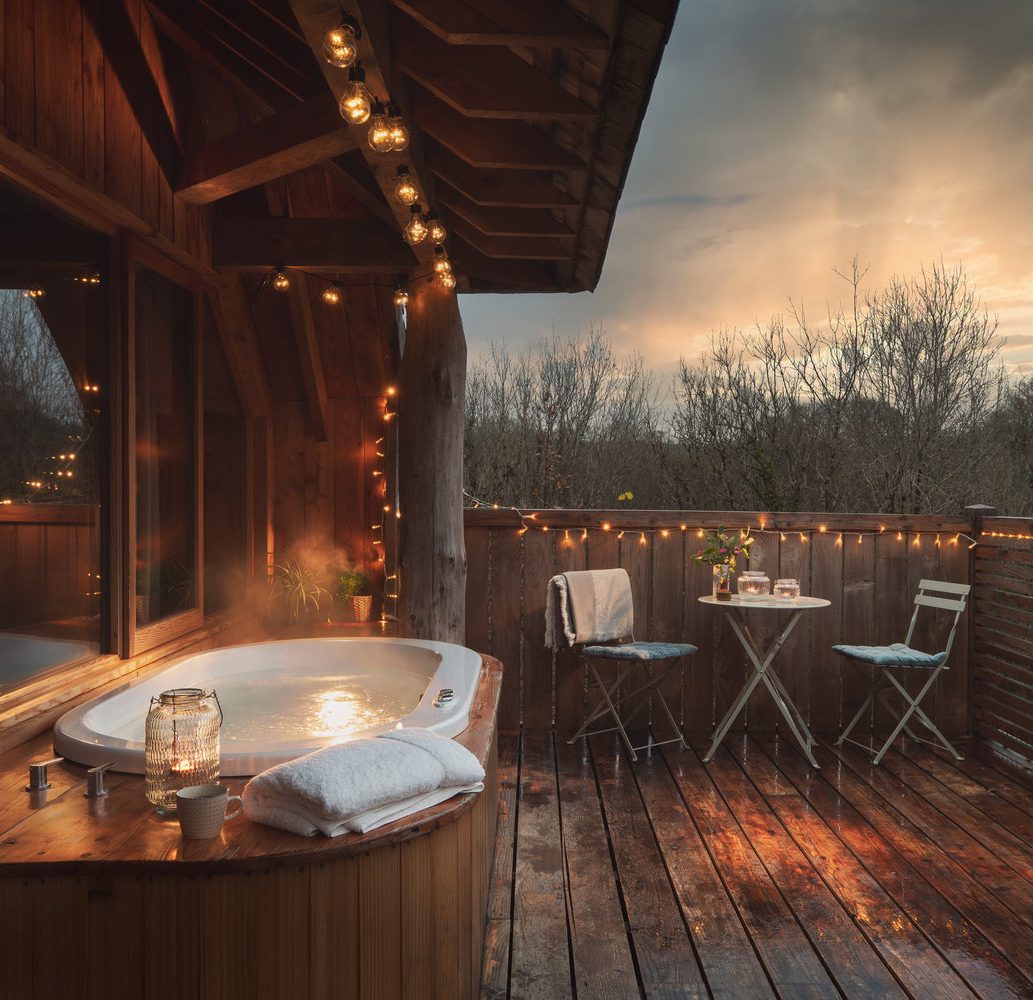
(316, 706)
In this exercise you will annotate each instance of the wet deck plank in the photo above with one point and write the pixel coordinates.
(757, 876)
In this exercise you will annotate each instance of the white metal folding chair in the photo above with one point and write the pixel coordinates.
(902, 655)
(629, 656)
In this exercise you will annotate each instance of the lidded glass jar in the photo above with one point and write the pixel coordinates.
(787, 587)
(753, 583)
(181, 743)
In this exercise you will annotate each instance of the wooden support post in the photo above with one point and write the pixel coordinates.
(975, 512)
(432, 554)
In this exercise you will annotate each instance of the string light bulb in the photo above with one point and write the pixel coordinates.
(355, 104)
(405, 188)
(447, 280)
(441, 262)
(340, 45)
(379, 134)
(399, 130)
(401, 297)
(34, 293)
(332, 294)
(436, 228)
(280, 280)
(415, 229)
(89, 278)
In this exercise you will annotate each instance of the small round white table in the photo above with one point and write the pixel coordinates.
(762, 661)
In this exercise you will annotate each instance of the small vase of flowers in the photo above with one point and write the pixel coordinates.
(720, 552)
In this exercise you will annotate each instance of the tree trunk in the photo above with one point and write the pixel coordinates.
(432, 555)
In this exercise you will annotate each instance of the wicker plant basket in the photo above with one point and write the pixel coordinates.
(362, 607)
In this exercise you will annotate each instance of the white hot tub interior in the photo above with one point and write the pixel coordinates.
(282, 699)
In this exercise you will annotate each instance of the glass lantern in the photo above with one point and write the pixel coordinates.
(787, 588)
(753, 583)
(181, 744)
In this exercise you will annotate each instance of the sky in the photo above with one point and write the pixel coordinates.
(786, 137)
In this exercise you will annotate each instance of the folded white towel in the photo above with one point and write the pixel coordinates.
(362, 785)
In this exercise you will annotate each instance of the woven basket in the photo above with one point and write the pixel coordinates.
(362, 608)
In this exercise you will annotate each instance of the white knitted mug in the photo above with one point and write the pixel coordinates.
(202, 809)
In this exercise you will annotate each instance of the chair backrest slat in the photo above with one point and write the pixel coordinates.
(957, 605)
(945, 587)
(944, 603)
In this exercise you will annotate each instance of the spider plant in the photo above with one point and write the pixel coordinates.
(300, 588)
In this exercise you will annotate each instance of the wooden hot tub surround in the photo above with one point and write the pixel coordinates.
(101, 897)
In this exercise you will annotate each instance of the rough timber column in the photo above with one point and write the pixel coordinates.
(432, 555)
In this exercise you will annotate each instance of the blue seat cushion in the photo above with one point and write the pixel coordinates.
(896, 655)
(642, 651)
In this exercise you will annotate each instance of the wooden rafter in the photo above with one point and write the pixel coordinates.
(496, 221)
(315, 17)
(237, 333)
(485, 143)
(287, 141)
(365, 246)
(512, 247)
(309, 358)
(174, 20)
(481, 81)
(538, 24)
(486, 274)
(520, 188)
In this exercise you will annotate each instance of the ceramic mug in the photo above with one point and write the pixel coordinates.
(202, 810)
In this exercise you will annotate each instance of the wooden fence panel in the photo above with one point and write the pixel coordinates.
(869, 576)
(49, 558)
(1002, 635)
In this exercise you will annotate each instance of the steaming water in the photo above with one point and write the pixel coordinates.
(275, 708)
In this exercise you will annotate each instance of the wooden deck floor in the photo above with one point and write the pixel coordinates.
(755, 876)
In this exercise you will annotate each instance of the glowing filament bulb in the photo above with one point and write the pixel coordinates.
(416, 229)
(405, 189)
(436, 228)
(34, 293)
(355, 104)
(441, 262)
(447, 280)
(281, 280)
(401, 296)
(399, 131)
(339, 45)
(332, 294)
(379, 134)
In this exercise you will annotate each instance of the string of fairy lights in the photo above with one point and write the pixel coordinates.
(534, 520)
(385, 486)
(387, 133)
(334, 292)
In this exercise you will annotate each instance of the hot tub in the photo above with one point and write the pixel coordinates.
(284, 699)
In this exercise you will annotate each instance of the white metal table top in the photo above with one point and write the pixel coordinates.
(767, 603)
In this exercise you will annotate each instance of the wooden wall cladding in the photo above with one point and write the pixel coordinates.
(325, 494)
(85, 85)
(1002, 661)
(50, 557)
(870, 579)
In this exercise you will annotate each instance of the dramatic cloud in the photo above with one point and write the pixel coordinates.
(787, 136)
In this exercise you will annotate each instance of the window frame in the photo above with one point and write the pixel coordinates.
(132, 639)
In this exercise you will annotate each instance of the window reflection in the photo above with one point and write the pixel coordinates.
(51, 357)
(166, 487)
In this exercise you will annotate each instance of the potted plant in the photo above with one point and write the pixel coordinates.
(353, 589)
(299, 587)
(720, 552)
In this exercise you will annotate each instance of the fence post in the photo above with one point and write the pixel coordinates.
(976, 512)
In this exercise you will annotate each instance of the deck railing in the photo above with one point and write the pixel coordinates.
(48, 562)
(1002, 639)
(868, 566)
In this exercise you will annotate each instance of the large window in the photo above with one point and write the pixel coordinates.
(53, 375)
(164, 545)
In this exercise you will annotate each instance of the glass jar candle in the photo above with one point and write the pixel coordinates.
(787, 587)
(181, 744)
(753, 583)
